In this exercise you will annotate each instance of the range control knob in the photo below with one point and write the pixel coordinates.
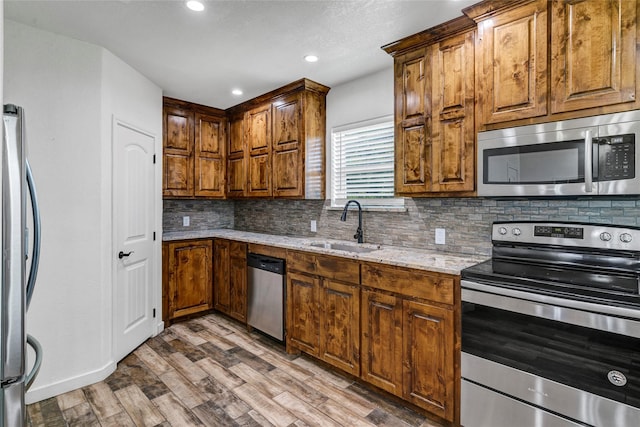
(516, 231)
(502, 230)
(605, 237)
(626, 238)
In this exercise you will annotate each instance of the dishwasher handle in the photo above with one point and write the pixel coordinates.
(264, 262)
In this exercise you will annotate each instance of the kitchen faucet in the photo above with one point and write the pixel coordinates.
(358, 234)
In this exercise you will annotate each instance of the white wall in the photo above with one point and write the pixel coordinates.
(70, 90)
(366, 98)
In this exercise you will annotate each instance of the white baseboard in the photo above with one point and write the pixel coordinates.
(36, 394)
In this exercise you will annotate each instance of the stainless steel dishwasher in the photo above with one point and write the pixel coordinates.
(265, 311)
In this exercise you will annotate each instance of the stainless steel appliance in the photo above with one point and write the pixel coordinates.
(551, 328)
(17, 289)
(580, 157)
(265, 311)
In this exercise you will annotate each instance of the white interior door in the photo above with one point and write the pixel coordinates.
(133, 189)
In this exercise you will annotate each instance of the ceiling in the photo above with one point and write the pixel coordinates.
(254, 45)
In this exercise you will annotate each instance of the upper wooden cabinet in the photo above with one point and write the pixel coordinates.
(593, 53)
(177, 151)
(258, 137)
(540, 61)
(236, 162)
(210, 141)
(434, 110)
(512, 63)
(194, 140)
(282, 139)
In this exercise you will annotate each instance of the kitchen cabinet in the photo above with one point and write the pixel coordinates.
(230, 278)
(282, 136)
(323, 309)
(409, 336)
(593, 53)
(194, 140)
(540, 61)
(434, 111)
(258, 137)
(187, 277)
(236, 164)
(512, 62)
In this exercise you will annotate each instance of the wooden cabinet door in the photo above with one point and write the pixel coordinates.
(238, 281)
(340, 331)
(287, 147)
(258, 142)
(258, 129)
(210, 141)
(236, 159)
(303, 314)
(178, 133)
(221, 288)
(190, 284)
(593, 53)
(453, 127)
(412, 117)
(381, 352)
(512, 64)
(428, 367)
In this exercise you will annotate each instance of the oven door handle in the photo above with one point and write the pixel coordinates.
(622, 320)
(588, 162)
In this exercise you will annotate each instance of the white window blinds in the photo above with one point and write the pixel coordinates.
(362, 164)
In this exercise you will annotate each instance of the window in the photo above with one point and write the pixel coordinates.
(362, 164)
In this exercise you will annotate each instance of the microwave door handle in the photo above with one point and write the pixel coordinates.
(588, 162)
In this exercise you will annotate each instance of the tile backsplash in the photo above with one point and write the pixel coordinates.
(467, 221)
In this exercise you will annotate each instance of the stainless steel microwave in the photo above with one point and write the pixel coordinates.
(580, 157)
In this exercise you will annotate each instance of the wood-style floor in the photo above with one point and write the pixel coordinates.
(210, 371)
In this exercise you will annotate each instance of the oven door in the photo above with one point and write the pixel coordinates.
(537, 164)
(545, 364)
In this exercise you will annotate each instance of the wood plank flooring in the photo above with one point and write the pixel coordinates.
(210, 371)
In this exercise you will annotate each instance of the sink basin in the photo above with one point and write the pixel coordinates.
(345, 247)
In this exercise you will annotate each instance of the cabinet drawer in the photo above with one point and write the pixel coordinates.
(238, 249)
(326, 266)
(409, 282)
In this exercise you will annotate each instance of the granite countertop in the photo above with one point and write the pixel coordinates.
(440, 262)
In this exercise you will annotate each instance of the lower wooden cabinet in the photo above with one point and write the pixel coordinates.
(187, 277)
(230, 278)
(323, 313)
(408, 344)
(382, 340)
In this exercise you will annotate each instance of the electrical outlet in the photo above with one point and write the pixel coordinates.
(314, 227)
(440, 236)
(186, 221)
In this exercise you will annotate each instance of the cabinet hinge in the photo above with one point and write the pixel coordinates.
(154, 159)
(154, 313)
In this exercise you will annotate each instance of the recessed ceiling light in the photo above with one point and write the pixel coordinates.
(195, 5)
(236, 92)
(311, 58)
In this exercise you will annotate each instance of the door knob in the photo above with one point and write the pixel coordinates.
(122, 254)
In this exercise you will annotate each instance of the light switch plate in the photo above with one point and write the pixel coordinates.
(186, 221)
(314, 227)
(440, 236)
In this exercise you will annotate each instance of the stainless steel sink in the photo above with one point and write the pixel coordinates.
(345, 247)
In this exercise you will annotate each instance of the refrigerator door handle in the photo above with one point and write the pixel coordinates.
(37, 348)
(35, 259)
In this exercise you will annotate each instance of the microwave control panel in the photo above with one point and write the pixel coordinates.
(616, 156)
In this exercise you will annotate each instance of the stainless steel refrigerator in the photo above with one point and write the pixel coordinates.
(18, 197)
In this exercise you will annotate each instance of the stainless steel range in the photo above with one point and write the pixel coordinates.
(551, 328)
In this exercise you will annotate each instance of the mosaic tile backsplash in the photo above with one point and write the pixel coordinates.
(467, 221)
